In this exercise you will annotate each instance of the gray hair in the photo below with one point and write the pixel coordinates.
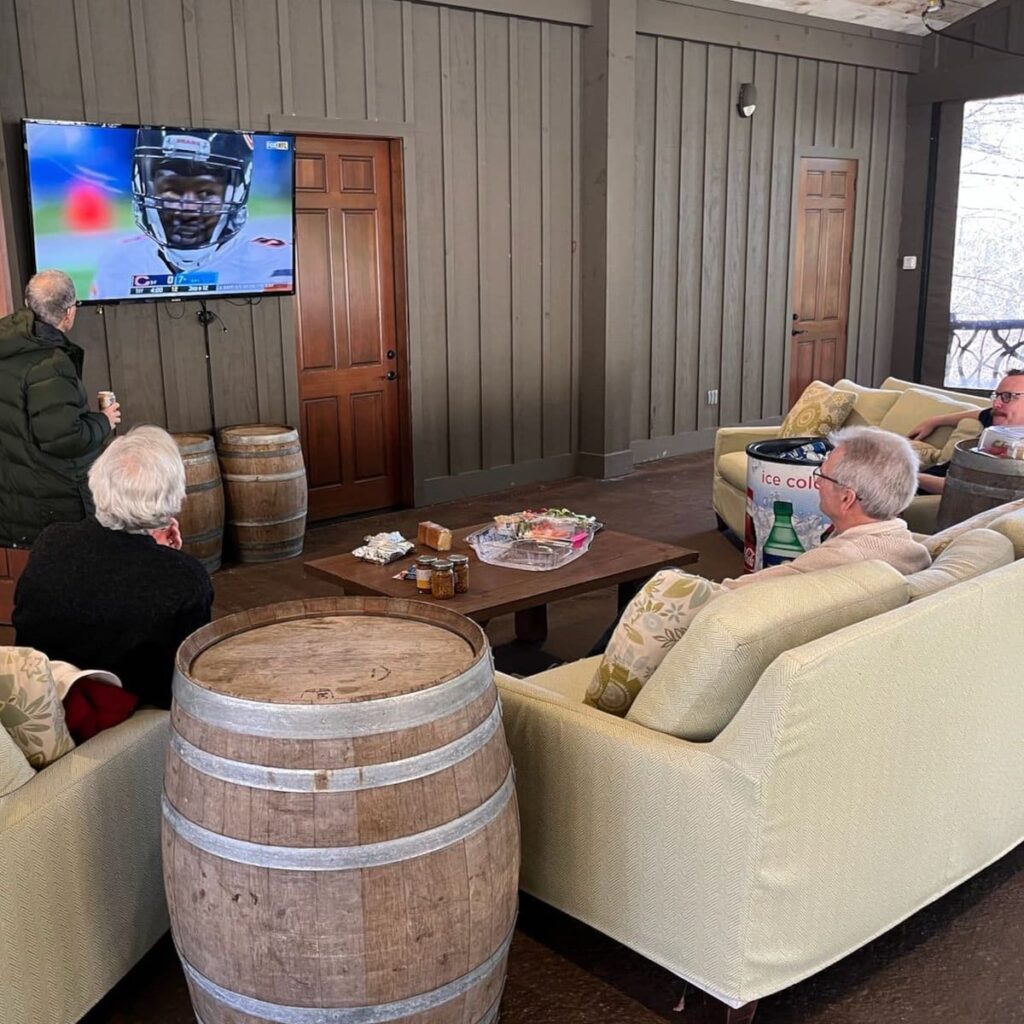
(50, 294)
(880, 466)
(138, 483)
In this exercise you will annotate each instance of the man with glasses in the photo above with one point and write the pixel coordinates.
(863, 485)
(1007, 411)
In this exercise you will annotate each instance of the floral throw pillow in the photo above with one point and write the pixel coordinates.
(30, 710)
(819, 410)
(649, 628)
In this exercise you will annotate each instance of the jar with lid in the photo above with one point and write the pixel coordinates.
(424, 565)
(442, 579)
(460, 566)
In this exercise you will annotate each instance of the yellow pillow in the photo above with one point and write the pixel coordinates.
(820, 409)
(30, 709)
(967, 429)
(927, 455)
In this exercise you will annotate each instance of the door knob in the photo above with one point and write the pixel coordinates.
(390, 375)
(796, 316)
(795, 333)
(390, 353)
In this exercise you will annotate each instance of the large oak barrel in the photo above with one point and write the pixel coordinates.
(202, 516)
(977, 482)
(265, 484)
(341, 834)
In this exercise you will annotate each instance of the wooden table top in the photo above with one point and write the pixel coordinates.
(493, 590)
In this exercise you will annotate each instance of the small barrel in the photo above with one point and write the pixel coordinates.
(265, 488)
(202, 516)
(340, 827)
(977, 482)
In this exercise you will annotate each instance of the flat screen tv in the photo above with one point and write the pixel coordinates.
(146, 212)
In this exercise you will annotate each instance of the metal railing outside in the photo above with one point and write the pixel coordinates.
(981, 351)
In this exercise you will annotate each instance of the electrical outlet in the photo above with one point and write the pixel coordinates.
(713, 396)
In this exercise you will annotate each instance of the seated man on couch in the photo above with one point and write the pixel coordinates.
(1007, 411)
(115, 592)
(864, 483)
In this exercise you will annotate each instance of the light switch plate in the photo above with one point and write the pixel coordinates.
(909, 263)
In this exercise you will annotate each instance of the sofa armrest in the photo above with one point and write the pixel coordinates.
(736, 439)
(646, 837)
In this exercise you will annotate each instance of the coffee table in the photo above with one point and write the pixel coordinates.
(613, 558)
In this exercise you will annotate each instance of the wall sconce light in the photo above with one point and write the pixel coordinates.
(747, 102)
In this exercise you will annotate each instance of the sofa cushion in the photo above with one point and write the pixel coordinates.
(30, 709)
(15, 770)
(732, 467)
(871, 405)
(710, 672)
(938, 542)
(927, 455)
(649, 627)
(915, 405)
(971, 554)
(966, 430)
(819, 410)
(1011, 525)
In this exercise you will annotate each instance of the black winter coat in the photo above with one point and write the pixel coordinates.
(48, 436)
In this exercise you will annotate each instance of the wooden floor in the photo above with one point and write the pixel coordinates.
(959, 960)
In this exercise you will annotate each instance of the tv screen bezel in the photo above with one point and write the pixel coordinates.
(182, 297)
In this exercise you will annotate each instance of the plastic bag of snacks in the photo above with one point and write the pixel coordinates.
(1003, 442)
(535, 540)
(383, 548)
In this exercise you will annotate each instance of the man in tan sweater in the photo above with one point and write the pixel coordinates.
(863, 485)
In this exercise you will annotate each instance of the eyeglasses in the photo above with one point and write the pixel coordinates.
(1006, 397)
(817, 473)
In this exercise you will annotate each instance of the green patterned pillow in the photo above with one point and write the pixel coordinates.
(818, 411)
(649, 628)
(30, 709)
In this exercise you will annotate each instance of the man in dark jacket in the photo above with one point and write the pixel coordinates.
(48, 436)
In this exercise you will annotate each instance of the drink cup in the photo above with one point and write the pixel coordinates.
(105, 399)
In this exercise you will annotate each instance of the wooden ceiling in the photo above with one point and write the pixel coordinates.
(895, 15)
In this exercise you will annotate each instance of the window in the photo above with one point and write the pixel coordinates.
(986, 307)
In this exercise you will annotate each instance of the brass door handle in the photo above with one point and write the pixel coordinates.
(795, 333)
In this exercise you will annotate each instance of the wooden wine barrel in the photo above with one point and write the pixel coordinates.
(202, 516)
(265, 487)
(977, 482)
(340, 828)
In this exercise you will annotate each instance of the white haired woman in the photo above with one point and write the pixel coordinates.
(115, 592)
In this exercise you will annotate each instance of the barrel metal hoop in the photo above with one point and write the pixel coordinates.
(267, 453)
(340, 858)
(982, 490)
(197, 538)
(338, 780)
(263, 478)
(379, 1014)
(333, 721)
(271, 521)
(206, 485)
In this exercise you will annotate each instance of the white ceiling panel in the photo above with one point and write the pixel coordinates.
(895, 15)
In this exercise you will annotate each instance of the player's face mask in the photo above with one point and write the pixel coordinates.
(190, 192)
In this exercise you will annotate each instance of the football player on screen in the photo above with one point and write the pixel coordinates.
(190, 195)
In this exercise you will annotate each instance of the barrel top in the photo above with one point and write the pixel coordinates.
(257, 433)
(967, 456)
(193, 442)
(347, 649)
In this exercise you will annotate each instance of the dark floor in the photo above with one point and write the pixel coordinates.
(959, 960)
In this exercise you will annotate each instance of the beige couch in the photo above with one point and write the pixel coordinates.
(81, 888)
(897, 405)
(861, 772)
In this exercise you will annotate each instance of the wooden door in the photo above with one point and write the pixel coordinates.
(821, 274)
(350, 322)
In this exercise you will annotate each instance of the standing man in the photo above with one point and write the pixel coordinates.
(48, 436)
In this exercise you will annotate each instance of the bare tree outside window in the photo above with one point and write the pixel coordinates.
(986, 308)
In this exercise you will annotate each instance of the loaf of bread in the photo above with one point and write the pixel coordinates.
(435, 536)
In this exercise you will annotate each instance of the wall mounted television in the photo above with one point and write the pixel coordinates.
(141, 213)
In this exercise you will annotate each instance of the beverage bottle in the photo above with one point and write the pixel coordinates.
(749, 535)
(782, 543)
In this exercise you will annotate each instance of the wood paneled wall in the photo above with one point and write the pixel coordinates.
(487, 105)
(952, 72)
(714, 216)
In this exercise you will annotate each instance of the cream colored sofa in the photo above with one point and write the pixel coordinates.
(81, 887)
(861, 773)
(897, 405)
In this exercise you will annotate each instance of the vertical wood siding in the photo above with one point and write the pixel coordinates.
(491, 105)
(714, 209)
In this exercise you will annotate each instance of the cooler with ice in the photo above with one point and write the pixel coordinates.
(784, 518)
